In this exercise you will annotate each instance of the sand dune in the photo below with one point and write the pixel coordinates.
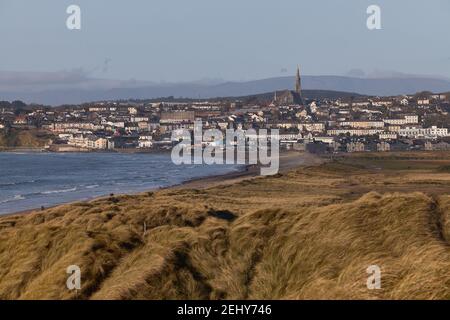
(309, 233)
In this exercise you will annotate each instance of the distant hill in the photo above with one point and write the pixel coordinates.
(363, 86)
(308, 94)
(262, 97)
(141, 90)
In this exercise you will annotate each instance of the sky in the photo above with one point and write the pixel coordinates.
(187, 40)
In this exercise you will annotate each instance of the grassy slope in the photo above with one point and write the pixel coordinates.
(310, 233)
(24, 138)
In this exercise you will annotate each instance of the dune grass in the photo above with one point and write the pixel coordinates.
(309, 233)
(33, 138)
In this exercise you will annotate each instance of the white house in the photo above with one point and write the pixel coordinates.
(432, 132)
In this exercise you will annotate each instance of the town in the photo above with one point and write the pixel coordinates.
(322, 124)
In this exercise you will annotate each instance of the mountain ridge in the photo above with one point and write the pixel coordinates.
(116, 90)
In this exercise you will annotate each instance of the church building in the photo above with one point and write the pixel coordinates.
(289, 97)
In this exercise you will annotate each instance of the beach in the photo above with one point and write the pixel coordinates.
(288, 160)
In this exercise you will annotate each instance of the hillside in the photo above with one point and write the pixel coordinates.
(24, 138)
(308, 94)
(303, 234)
(260, 98)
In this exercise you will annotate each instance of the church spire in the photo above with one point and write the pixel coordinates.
(298, 82)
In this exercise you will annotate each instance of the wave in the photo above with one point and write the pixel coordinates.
(59, 191)
(8, 184)
(15, 198)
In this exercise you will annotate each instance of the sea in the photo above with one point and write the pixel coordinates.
(34, 180)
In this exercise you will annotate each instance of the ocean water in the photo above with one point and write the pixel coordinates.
(32, 180)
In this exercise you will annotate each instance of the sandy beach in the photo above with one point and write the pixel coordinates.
(288, 161)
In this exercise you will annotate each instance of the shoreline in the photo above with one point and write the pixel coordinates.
(81, 150)
(288, 160)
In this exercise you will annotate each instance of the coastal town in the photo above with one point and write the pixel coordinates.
(419, 121)
(225, 159)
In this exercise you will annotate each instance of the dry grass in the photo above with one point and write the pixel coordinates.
(33, 138)
(309, 233)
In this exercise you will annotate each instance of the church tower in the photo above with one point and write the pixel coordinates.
(298, 83)
(290, 97)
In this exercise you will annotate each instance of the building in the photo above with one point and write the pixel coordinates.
(354, 132)
(404, 102)
(289, 97)
(382, 103)
(355, 147)
(383, 147)
(440, 146)
(407, 119)
(74, 126)
(433, 132)
(145, 142)
(90, 142)
(177, 116)
(423, 102)
(388, 136)
(289, 137)
(312, 127)
(362, 124)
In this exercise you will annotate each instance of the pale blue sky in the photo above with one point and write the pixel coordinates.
(182, 40)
